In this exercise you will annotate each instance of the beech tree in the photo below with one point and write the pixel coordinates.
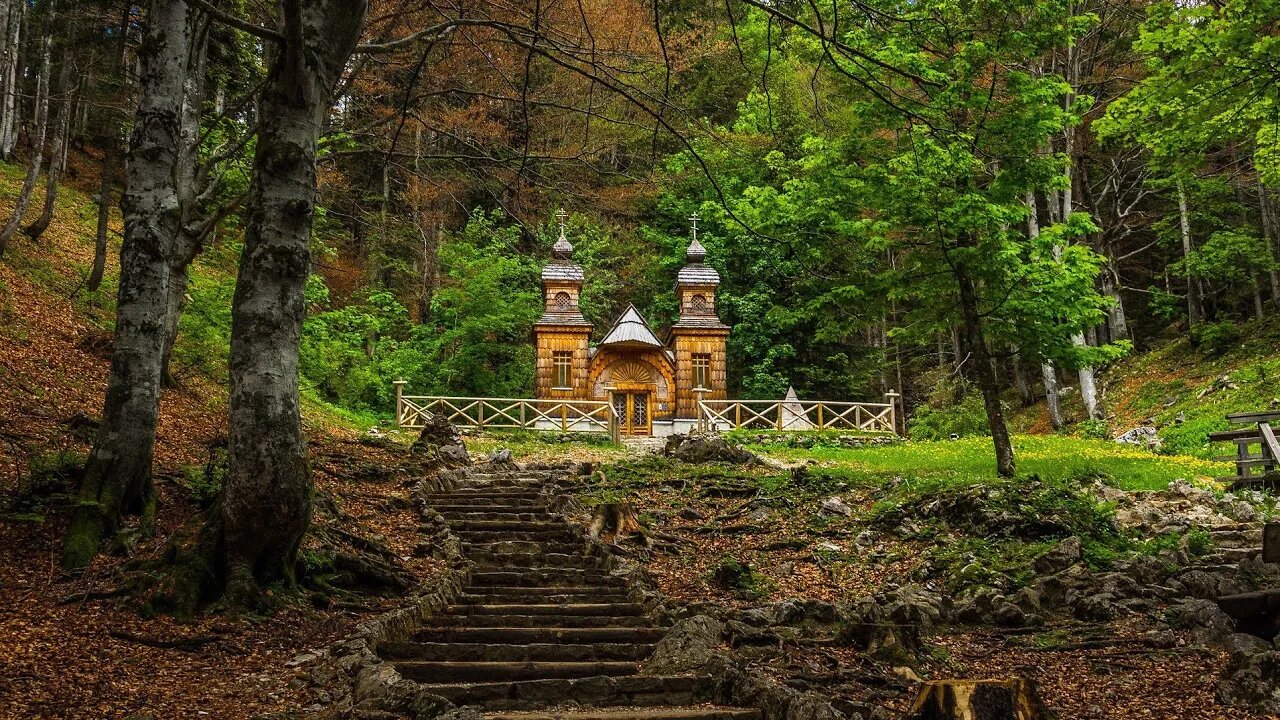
(118, 472)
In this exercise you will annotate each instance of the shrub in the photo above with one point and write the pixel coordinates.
(1216, 338)
(965, 419)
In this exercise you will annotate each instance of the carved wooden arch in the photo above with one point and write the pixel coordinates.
(611, 367)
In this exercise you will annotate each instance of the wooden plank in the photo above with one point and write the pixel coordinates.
(1271, 542)
(1269, 441)
(1253, 417)
(1235, 435)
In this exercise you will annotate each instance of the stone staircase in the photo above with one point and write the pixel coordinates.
(543, 630)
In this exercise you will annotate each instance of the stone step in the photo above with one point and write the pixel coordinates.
(1230, 555)
(477, 496)
(498, 547)
(630, 690)
(1236, 537)
(478, 672)
(545, 577)
(501, 652)
(544, 538)
(504, 507)
(540, 634)
(561, 620)
(481, 598)
(509, 526)
(499, 561)
(628, 713)
(593, 609)
(506, 516)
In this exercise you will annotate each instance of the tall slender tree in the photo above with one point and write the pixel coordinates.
(118, 472)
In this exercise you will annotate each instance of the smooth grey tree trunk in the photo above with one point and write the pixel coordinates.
(189, 241)
(1195, 310)
(57, 153)
(118, 473)
(14, 12)
(39, 127)
(266, 504)
(1117, 320)
(1025, 396)
(1269, 231)
(1052, 400)
(104, 217)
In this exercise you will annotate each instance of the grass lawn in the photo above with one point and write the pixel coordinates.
(1052, 457)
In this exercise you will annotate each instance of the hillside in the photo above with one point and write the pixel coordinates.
(1184, 391)
(74, 648)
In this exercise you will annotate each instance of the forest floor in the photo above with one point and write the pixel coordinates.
(66, 652)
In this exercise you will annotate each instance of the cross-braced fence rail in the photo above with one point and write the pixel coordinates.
(797, 415)
(478, 413)
(1259, 430)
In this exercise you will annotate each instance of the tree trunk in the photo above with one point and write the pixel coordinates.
(104, 217)
(984, 372)
(41, 126)
(1269, 234)
(57, 154)
(1052, 399)
(265, 508)
(189, 241)
(1025, 396)
(1117, 321)
(430, 271)
(1195, 310)
(14, 10)
(118, 473)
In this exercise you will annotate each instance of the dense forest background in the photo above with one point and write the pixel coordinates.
(1095, 175)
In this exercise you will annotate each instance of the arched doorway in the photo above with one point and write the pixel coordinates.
(633, 385)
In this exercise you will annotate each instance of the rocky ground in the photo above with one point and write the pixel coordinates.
(1119, 621)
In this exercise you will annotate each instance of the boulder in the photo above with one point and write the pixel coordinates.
(836, 506)
(501, 456)
(1207, 622)
(1062, 556)
(442, 441)
(1009, 615)
(696, 448)
(692, 645)
(1252, 680)
(1142, 436)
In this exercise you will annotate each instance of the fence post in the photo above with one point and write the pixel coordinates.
(615, 428)
(702, 424)
(564, 417)
(892, 396)
(523, 423)
(819, 414)
(480, 415)
(399, 385)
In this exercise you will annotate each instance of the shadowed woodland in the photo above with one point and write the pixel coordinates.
(226, 228)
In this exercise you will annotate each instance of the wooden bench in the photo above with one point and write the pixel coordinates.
(1257, 430)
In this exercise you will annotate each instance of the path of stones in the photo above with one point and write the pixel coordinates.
(542, 631)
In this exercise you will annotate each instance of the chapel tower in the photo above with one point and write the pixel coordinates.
(698, 338)
(562, 334)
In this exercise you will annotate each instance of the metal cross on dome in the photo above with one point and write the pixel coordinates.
(561, 215)
(694, 228)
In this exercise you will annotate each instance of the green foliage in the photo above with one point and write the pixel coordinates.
(1094, 429)
(49, 477)
(966, 418)
(476, 342)
(204, 482)
(735, 575)
(1216, 338)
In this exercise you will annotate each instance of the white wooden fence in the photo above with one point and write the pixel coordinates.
(598, 415)
(506, 413)
(798, 415)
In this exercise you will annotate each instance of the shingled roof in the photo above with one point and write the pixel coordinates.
(631, 330)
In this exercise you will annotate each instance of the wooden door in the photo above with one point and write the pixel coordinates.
(633, 412)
